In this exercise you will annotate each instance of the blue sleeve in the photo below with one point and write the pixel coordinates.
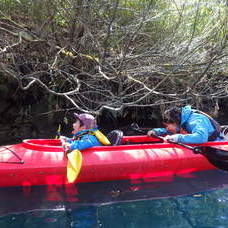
(85, 142)
(199, 133)
(160, 131)
(69, 140)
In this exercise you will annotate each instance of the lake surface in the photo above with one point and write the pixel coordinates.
(198, 200)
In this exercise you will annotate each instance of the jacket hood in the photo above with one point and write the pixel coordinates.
(185, 113)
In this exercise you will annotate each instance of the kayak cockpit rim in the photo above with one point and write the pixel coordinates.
(54, 145)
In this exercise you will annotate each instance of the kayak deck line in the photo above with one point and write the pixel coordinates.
(138, 157)
(15, 154)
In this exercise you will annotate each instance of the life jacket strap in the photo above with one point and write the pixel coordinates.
(215, 124)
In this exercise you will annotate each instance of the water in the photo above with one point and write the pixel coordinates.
(198, 200)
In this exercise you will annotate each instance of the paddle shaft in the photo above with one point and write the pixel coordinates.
(217, 157)
(58, 133)
(136, 128)
(196, 150)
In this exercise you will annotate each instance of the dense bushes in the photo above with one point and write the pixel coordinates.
(114, 54)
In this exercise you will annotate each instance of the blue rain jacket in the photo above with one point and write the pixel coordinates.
(198, 126)
(86, 141)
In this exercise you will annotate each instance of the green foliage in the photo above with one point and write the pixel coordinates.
(197, 18)
(118, 19)
(129, 50)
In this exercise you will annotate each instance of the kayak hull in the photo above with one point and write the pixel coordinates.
(43, 162)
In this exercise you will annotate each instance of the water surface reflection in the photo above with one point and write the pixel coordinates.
(197, 200)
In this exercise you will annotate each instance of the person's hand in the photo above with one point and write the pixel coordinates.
(151, 132)
(62, 139)
(66, 146)
(173, 138)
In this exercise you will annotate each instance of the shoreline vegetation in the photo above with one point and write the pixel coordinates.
(118, 59)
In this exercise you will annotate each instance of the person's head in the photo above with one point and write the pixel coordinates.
(83, 121)
(172, 119)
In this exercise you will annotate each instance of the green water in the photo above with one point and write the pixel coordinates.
(197, 201)
(202, 210)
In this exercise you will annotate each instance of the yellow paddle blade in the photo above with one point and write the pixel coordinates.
(74, 165)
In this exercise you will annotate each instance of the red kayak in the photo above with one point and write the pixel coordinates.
(43, 161)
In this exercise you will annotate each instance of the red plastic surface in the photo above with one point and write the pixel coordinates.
(45, 161)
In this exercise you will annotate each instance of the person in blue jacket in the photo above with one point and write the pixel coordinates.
(187, 125)
(83, 138)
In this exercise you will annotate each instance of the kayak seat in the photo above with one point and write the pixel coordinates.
(224, 131)
(115, 137)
